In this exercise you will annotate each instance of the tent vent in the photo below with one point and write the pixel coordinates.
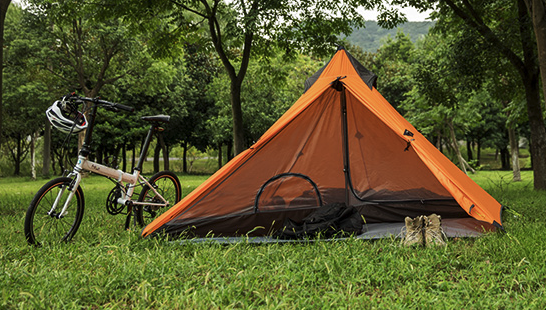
(337, 84)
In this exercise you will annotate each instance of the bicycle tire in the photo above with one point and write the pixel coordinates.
(168, 185)
(42, 228)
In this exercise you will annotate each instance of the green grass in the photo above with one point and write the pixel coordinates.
(107, 267)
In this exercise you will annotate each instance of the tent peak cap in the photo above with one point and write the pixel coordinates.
(333, 66)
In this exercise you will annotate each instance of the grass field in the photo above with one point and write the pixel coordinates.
(107, 267)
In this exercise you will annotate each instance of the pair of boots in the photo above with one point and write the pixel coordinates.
(424, 230)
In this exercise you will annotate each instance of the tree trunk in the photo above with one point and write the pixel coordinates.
(33, 156)
(469, 149)
(537, 11)
(478, 151)
(166, 158)
(53, 165)
(455, 146)
(47, 149)
(439, 140)
(165, 151)
(236, 77)
(514, 152)
(237, 114)
(133, 159)
(531, 79)
(185, 157)
(17, 157)
(505, 158)
(60, 161)
(99, 156)
(538, 134)
(124, 157)
(230, 151)
(220, 155)
(157, 150)
(4, 4)
(57, 161)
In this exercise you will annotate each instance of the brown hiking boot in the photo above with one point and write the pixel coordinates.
(434, 235)
(414, 231)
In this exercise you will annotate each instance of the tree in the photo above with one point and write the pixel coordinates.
(25, 91)
(239, 30)
(392, 64)
(190, 87)
(502, 87)
(25, 97)
(506, 29)
(270, 88)
(537, 11)
(151, 92)
(439, 96)
(83, 50)
(4, 4)
(490, 128)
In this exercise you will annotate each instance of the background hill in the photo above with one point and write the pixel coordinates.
(372, 37)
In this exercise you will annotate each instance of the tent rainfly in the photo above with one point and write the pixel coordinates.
(341, 142)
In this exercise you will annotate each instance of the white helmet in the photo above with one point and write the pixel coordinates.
(65, 117)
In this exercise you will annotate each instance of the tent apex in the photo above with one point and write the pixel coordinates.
(368, 77)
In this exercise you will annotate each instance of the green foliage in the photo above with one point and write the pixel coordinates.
(438, 94)
(63, 50)
(85, 51)
(241, 29)
(392, 64)
(371, 37)
(164, 64)
(190, 92)
(25, 90)
(271, 87)
(107, 267)
(489, 123)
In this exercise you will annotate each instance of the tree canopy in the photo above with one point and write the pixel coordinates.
(503, 28)
(241, 29)
(225, 71)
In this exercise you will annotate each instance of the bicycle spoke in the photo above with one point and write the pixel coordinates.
(166, 186)
(41, 227)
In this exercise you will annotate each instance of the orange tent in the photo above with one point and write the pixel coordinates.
(340, 142)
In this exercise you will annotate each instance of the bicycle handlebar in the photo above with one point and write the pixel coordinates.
(103, 102)
(117, 105)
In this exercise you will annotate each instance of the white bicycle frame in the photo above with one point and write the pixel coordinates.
(120, 176)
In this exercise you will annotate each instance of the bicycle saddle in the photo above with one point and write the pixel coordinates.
(157, 118)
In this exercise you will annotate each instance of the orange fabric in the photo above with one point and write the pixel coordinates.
(308, 140)
(467, 193)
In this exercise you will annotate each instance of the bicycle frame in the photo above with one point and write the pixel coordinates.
(130, 180)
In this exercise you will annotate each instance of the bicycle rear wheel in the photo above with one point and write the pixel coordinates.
(168, 186)
(44, 225)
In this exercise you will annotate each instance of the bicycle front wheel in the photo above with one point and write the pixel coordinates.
(165, 184)
(44, 222)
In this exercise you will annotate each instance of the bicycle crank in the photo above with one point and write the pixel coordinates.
(112, 205)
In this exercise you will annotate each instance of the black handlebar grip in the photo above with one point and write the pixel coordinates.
(124, 107)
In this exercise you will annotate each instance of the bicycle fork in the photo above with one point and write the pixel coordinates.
(72, 187)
